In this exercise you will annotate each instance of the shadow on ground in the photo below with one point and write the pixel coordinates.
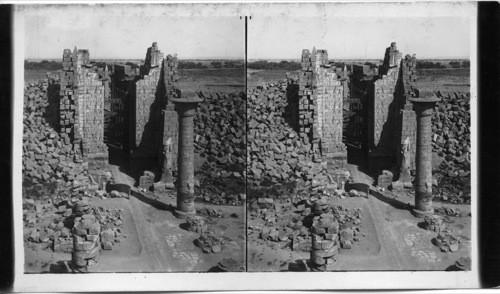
(155, 203)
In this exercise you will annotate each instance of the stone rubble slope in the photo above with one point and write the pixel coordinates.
(451, 140)
(275, 151)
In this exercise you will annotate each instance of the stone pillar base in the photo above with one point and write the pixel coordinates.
(183, 215)
(420, 213)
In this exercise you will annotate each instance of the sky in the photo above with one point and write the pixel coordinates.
(126, 31)
(361, 30)
(275, 31)
(358, 37)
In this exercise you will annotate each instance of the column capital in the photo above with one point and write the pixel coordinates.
(424, 106)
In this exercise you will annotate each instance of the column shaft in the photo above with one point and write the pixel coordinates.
(185, 163)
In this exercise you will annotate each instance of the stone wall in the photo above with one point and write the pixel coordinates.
(408, 122)
(154, 119)
(330, 97)
(384, 96)
(320, 106)
(170, 124)
(81, 111)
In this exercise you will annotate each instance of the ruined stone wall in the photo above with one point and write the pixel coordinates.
(384, 96)
(145, 95)
(408, 120)
(306, 100)
(170, 125)
(330, 98)
(81, 108)
(320, 107)
(91, 109)
(154, 117)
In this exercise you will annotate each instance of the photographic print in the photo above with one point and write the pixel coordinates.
(359, 139)
(133, 139)
(250, 146)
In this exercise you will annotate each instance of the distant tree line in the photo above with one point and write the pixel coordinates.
(457, 64)
(190, 65)
(429, 64)
(284, 65)
(42, 65)
(213, 64)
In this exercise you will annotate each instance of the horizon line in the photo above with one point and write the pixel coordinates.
(142, 58)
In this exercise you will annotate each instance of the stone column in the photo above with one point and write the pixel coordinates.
(185, 157)
(424, 107)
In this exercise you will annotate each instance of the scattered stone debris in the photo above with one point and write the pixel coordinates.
(220, 138)
(217, 213)
(196, 224)
(325, 243)
(46, 156)
(447, 242)
(86, 232)
(434, 223)
(449, 211)
(275, 150)
(451, 141)
(209, 243)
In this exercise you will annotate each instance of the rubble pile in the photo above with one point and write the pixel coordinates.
(220, 138)
(449, 211)
(111, 221)
(325, 231)
(451, 141)
(47, 224)
(220, 134)
(275, 151)
(48, 221)
(196, 224)
(46, 157)
(447, 242)
(451, 126)
(209, 243)
(86, 232)
(291, 221)
(220, 192)
(216, 213)
(434, 223)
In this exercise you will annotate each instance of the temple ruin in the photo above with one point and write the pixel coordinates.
(139, 99)
(380, 116)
